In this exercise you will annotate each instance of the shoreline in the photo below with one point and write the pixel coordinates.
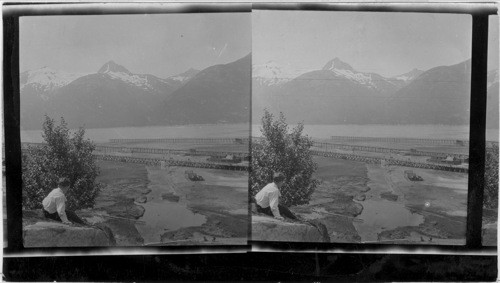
(124, 184)
(392, 208)
(439, 208)
(176, 211)
(164, 200)
(195, 213)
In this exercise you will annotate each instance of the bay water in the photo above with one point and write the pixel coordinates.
(243, 130)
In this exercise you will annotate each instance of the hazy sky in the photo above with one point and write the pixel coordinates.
(162, 45)
(385, 43)
(165, 45)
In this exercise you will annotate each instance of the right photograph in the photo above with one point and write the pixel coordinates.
(360, 127)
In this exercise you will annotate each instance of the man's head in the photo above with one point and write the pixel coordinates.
(278, 178)
(63, 184)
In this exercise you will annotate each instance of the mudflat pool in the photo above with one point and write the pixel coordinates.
(380, 215)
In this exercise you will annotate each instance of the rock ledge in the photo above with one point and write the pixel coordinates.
(265, 228)
(41, 232)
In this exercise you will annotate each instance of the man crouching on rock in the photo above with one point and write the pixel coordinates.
(267, 199)
(54, 205)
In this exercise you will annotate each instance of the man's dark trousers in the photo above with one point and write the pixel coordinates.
(70, 214)
(285, 212)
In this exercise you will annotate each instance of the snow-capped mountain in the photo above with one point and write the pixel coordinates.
(372, 81)
(112, 67)
(274, 74)
(146, 82)
(116, 97)
(345, 70)
(338, 94)
(46, 80)
(113, 96)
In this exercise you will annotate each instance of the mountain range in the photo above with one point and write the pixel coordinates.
(116, 97)
(335, 94)
(339, 94)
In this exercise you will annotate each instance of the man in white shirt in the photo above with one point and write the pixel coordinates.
(54, 205)
(267, 199)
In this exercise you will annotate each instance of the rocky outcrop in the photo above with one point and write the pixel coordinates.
(360, 197)
(126, 208)
(41, 232)
(55, 234)
(141, 199)
(265, 228)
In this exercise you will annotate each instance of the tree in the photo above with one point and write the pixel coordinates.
(62, 155)
(282, 151)
(491, 178)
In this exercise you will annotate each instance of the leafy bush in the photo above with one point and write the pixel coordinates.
(282, 151)
(63, 155)
(491, 178)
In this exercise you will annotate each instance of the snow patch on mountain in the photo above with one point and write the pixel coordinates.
(275, 74)
(370, 80)
(178, 78)
(47, 80)
(118, 72)
(410, 76)
(145, 82)
(360, 78)
(184, 77)
(344, 70)
(140, 81)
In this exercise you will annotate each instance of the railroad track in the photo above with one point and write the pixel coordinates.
(378, 160)
(353, 157)
(155, 161)
(166, 151)
(410, 140)
(402, 140)
(241, 140)
(162, 162)
(330, 146)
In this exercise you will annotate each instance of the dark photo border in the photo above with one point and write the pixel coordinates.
(268, 260)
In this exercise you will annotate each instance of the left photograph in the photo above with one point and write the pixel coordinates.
(135, 129)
